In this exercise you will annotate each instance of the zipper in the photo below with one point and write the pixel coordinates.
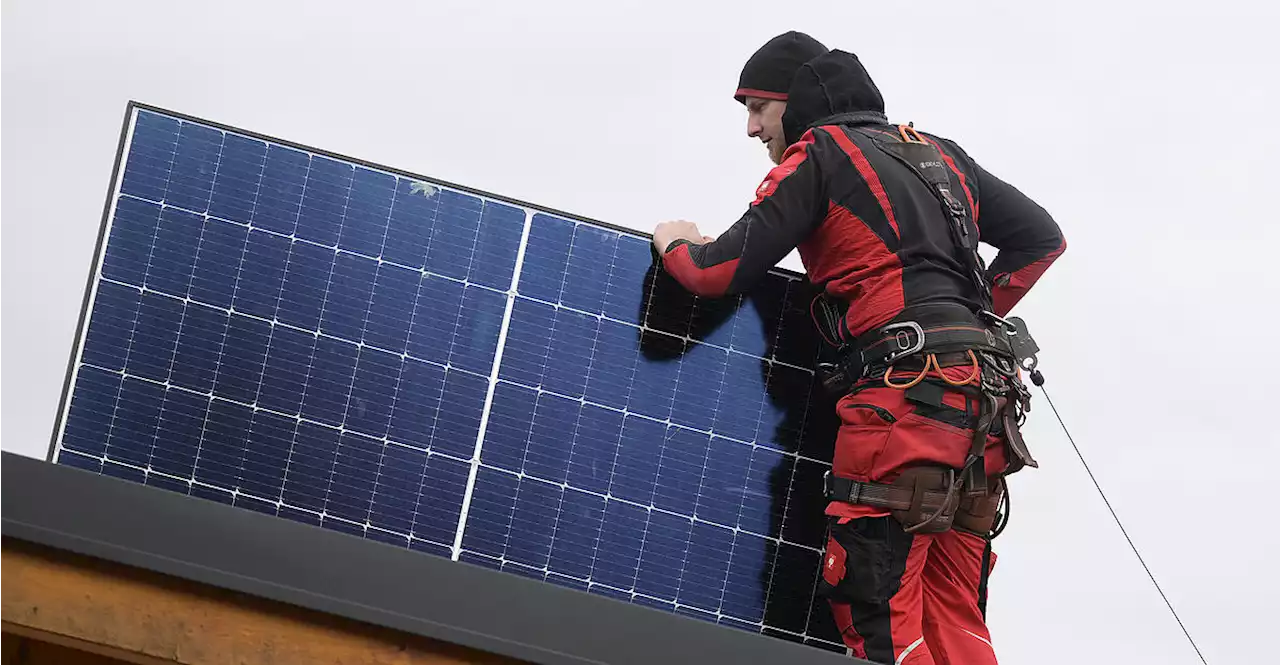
(880, 411)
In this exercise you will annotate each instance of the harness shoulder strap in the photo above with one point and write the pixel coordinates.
(926, 161)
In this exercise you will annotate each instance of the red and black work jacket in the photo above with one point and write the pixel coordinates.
(868, 230)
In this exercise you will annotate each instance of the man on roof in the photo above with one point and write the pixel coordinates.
(886, 220)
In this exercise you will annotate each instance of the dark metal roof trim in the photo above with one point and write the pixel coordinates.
(343, 575)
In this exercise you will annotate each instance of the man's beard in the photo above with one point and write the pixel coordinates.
(776, 150)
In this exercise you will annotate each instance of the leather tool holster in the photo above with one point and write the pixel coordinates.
(930, 491)
(977, 514)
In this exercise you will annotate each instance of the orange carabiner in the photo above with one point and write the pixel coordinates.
(918, 379)
(931, 361)
(972, 376)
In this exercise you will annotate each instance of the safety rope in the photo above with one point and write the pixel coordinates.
(1038, 379)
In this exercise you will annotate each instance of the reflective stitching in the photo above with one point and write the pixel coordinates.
(988, 642)
(906, 652)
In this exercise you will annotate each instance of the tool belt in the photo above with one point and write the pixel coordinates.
(938, 329)
(912, 498)
(938, 335)
(922, 500)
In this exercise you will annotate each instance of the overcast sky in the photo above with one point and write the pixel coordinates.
(1147, 129)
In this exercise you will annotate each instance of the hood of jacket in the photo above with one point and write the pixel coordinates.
(833, 87)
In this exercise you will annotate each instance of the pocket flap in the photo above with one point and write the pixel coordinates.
(833, 562)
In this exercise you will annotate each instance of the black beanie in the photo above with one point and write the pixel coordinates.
(768, 72)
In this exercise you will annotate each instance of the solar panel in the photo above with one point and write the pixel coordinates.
(418, 363)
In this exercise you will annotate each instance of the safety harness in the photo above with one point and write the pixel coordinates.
(927, 338)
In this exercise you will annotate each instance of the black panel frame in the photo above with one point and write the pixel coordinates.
(264, 556)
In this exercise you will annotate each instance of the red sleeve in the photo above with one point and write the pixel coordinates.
(1028, 239)
(789, 205)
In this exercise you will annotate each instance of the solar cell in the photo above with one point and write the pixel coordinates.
(418, 363)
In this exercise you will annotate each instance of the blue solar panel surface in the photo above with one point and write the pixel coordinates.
(369, 351)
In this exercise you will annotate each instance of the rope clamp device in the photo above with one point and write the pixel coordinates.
(1023, 345)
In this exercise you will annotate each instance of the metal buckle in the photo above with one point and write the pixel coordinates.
(1009, 327)
(829, 489)
(992, 386)
(953, 204)
(903, 340)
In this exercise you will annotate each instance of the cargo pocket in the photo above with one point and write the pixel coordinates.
(866, 551)
(864, 433)
(866, 415)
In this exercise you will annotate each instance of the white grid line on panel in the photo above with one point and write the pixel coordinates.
(649, 507)
(492, 385)
(666, 421)
(294, 237)
(291, 416)
(276, 322)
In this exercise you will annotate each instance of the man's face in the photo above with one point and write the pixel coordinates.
(764, 121)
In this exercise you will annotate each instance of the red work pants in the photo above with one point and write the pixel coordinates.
(896, 597)
(907, 599)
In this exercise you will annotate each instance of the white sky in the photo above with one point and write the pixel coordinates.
(1147, 130)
